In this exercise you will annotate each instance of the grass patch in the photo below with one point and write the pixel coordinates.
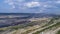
(58, 32)
(58, 24)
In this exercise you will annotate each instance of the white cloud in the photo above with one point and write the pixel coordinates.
(7, 1)
(58, 1)
(13, 2)
(47, 6)
(19, 0)
(32, 4)
(21, 4)
(10, 2)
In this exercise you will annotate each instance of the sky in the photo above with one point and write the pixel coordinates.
(30, 6)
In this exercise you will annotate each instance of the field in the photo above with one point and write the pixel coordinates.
(29, 24)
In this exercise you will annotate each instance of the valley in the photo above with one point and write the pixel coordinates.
(29, 24)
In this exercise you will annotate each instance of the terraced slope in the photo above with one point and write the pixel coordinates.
(36, 26)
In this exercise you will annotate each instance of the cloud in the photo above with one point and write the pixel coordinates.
(32, 4)
(24, 5)
(58, 1)
(10, 2)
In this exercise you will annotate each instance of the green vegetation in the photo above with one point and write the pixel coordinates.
(16, 27)
(49, 23)
(55, 25)
(58, 32)
(58, 24)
